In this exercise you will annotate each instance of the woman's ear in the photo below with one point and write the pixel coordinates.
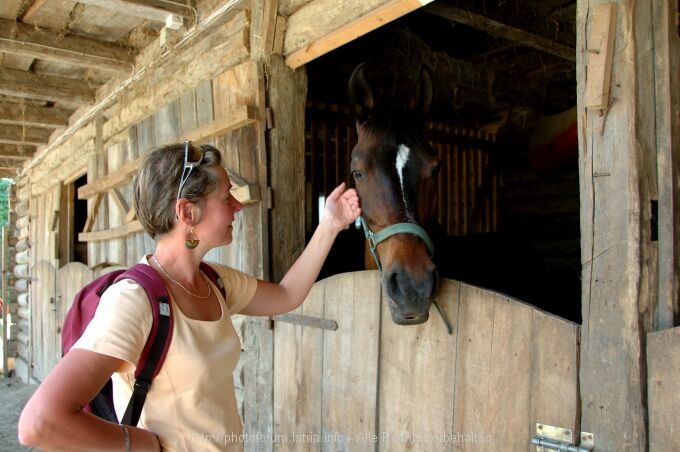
(186, 212)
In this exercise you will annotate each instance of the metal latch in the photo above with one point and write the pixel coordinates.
(549, 438)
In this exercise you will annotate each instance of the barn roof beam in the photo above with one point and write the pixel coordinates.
(324, 25)
(20, 39)
(501, 30)
(16, 152)
(33, 136)
(33, 116)
(27, 85)
(152, 10)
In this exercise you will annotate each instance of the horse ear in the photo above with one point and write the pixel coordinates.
(361, 96)
(424, 95)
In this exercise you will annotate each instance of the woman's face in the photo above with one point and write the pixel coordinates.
(219, 209)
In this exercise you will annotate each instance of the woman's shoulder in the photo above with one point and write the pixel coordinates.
(227, 272)
(239, 286)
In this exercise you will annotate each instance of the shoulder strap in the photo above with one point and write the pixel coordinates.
(214, 277)
(159, 339)
(158, 342)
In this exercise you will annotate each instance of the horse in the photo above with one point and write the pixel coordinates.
(394, 170)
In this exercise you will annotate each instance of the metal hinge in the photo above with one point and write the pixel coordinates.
(550, 438)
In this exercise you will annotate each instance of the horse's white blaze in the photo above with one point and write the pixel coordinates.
(403, 154)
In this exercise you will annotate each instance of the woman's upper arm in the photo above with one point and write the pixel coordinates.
(73, 382)
(269, 299)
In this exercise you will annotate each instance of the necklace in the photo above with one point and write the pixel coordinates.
(203, 297)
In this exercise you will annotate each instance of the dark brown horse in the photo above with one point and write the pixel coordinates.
(395, 172)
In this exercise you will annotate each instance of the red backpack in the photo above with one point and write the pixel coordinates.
(150, 361)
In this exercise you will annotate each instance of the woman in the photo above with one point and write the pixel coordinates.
(183, 199)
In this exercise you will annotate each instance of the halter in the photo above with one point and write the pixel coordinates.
(389, 231)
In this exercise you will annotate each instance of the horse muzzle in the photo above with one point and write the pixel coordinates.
(409, 297)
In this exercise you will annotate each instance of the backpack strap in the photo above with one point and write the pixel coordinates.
(211, 273)
(158, 342)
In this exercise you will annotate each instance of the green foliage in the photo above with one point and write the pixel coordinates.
(5, 187)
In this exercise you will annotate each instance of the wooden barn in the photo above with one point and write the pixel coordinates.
(557, 123)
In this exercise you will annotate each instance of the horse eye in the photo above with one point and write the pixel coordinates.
(435, 171)
(357, 175)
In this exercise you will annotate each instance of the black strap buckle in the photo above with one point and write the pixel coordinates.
(142, 385)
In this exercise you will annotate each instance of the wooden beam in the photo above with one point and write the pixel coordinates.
(28, 85)
(501, 30)
(222, 39)
(246, 115)
(21, 39)
(153, 10)
(16, 159)
(324, 25)
(8, 172)
(114, 233)
(35, 6)
(92, 214)
(619, 272)
(24, 135)
(32, 115)
(16, 151)
(122, 176)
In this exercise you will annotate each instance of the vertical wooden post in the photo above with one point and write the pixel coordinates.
(618, 181)
(667, 82)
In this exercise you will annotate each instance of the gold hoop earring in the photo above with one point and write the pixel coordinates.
(191, 240)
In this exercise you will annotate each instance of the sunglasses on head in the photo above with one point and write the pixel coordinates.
(193, 156)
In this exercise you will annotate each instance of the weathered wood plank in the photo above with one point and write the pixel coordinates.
(287, 94)
(111, 233)
(121, 176)
(33, 116)
(232, 121)
(324, 25)
(617, 277)
(510, 385)
(554, 372)
(299, 376)
(43, 334)
(187, 111)
(663, 386)
(118, 208)
(417, 372)
(153, 10)
(31, 136)
(223, 43)
(473, 361)
(353, 302)
(167, 123)
(69, 92)
(21, 39)
(667, 82)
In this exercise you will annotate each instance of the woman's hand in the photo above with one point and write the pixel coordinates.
(342, 208)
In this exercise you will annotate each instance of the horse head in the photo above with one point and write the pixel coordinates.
(395, 173)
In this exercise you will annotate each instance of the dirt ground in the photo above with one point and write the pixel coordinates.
(13, 396)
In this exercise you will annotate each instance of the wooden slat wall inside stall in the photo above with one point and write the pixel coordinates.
(468, 184)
